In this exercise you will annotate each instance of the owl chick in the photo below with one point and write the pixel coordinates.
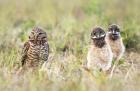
(36, 50)
(99, 54)
(114, 39)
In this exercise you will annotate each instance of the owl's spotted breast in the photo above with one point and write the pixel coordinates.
(44, 52)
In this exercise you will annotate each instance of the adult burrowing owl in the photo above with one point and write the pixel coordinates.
(114, 39)
(99, 54)
(36, 49)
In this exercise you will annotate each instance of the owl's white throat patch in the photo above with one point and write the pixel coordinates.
(116, 33)
(96, 37)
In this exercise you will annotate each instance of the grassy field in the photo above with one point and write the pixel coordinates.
(68, 24)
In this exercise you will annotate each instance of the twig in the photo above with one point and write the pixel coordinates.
(128, 72)
(113, 68)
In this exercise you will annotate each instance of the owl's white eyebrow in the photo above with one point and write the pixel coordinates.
(116, 32)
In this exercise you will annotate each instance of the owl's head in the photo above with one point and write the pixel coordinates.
(38, 35)
(114, 32)
(98, 36)
(97, 33)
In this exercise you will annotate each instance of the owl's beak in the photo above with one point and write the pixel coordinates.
(35, 38)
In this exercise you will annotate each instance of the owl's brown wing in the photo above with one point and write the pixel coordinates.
(24, 53)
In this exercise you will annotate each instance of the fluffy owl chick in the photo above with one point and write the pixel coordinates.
(36, 50)
(114, 39)
(99, 54)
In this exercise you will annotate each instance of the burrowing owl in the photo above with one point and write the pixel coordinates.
(114, 39)
(36, 49)
(99, 54)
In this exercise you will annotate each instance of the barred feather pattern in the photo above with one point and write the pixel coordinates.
(35, 51)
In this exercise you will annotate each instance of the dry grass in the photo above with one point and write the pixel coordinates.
(68, 25)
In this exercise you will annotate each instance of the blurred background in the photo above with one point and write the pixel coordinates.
(68, 24)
